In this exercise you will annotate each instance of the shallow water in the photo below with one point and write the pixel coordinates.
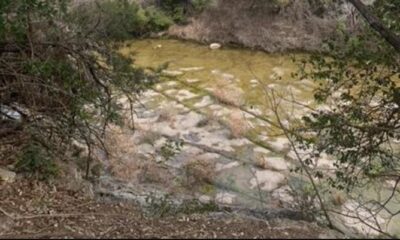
(245, 65)
(248, 77)
(245, 79)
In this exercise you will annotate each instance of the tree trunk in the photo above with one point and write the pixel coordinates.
(377, 25)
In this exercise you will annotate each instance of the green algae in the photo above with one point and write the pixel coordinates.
(242, 65)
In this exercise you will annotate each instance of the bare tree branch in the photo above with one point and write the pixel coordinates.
(377, 25)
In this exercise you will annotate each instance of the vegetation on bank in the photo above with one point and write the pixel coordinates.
(61, 76)
(122, 20)
(60, 83)
(358, 79)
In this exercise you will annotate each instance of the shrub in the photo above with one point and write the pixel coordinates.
(161, 206)
(122, 156)
(175, 8)
(179, 10)
(124, 19)
(157, 20)
(170, 149)
(199, 171)
(120, 20)
(36, 162)
(110, 19)
(200, 5)
(63, 84)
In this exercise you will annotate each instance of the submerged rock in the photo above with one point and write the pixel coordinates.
(225, 198)
(280, 144)
(7, 176)
(192, 137)
(184, 95)
(205, 101)
(192, 80)
(191, 69)
(267, 180)
(189, 121)
(220, 167)
(214, 46)
(273, 163)
(254, 81)
(227, 76)
(284, 195)
(147, 150)
(278, 71)
(172, 73)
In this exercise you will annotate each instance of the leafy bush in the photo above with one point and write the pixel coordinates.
(175, 8)
(161, 206)
(170, 149)
(179, 10)
(120, 20)
(63, 84)
(157, 20)
(200, 5)
(124, 19)
(35, 161)
(357, 78)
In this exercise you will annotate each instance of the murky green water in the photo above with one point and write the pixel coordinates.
(244, 65)
(254, 73)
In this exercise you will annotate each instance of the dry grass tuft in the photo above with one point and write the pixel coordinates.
(199, 171)
(228, 93)
(238, 124)
(122, 153)
(338, 198)
(148, 137)
(151, 172)
(259, 161)
(166, 115)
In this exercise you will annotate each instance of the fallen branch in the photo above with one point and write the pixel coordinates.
(60, 215)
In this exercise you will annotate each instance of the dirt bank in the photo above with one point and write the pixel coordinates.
(273, 27)
(36, 210)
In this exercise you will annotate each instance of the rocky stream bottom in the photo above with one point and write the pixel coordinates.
(207, 134)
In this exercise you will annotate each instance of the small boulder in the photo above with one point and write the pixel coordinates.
(146, 149)
(225, 198)
(7, 176)
(214, 46)
(204, 199)
(278, 71)
(254, 81)
(268, 180)
(272, 163)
